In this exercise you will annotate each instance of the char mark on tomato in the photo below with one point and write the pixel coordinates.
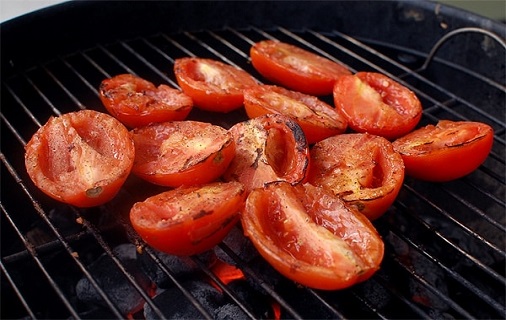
(224, 225)
(310, 236)
(202, 213)
(446, 151)
(362, 169)
(269, 148)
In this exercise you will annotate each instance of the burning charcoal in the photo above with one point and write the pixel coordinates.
(175, 305)
(239, 244)
(114, 283)
(179, 266)
(62, 217)
(230, 311)
(252, 299)
(266, 272)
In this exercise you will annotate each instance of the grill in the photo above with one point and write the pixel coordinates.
(445, 242)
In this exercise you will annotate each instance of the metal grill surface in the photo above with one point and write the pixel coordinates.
(445, 243)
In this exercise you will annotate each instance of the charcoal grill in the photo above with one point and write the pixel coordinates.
(445, 242)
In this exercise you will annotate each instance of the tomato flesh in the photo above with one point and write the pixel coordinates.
(310, 236)
(188, 220)
(213, 85)
(137, 102)
(446, 151)
(363, 169)
(296, 68)
(269, 148)
(181, 153)
(81, 158)
(374, 103)
(317, 119)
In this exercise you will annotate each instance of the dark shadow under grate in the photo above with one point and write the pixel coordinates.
(445, 243)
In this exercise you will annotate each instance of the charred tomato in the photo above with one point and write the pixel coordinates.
(362, 169)
(269, 148)
(310, 236)
(181, 153)
(446, 151)
(137, 102)
(213, 85)
(80, 158)
(374, 103)
(296, 68)
(188, 220)
(317, 119)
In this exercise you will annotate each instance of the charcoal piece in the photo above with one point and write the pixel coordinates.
(265, 273)
(239, 244)
(175, 305)
(230, 311)
(113, 282)
(181, 267)
(252, 299)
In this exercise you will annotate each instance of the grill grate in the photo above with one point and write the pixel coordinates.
(445, 243)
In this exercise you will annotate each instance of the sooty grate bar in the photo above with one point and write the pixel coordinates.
(445, 243)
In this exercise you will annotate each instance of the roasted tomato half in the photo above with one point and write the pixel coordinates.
(362, 169)
(374, 103)
(137, 102)
(213, 85)
(191, 220)
(296, 68)
(81, 158)
(181, 153)
(446, 151)
(310, 236)
(317, 119)
(269, 148)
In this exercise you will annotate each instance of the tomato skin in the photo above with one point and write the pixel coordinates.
(269, 148)
(188, 220)
(317, 119)
(213, 85)
(181, 153)
(446, 151)
(363, 169)
(81, 158)
(137, 102)
(310, 236)
(374, 103)
(296, 68)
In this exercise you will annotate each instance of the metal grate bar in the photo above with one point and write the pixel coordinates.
(455, 221)
(33, 253)
(432, 289)
(14, 287)
(88, 225)
(415, 74)
(132, 57)
(251, 273)
(475, 209)
(65, 245)
(472, 288)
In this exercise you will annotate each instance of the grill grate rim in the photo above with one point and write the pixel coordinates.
(248, 36)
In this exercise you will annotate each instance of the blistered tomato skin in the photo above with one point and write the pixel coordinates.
(374, 103)
(310, 236)
(182, 153)
(137, 102)
(81, 158)
(271, 147)
(446, 151)
(317, 119)
(189, 220)
(362, 169)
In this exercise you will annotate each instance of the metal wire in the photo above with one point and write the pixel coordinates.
(155, 56)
